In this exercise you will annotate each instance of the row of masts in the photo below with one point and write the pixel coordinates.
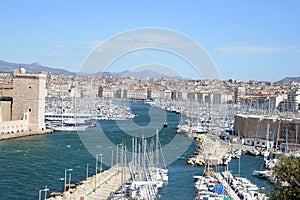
(145, 171)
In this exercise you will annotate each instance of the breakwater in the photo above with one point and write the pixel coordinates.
(214, 150)
(209, 150)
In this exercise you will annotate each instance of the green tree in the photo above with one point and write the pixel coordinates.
(287, 179)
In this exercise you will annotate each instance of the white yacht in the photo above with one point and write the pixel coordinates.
(68, 128)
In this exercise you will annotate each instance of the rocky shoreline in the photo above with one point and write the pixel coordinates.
(215, 150)
(208, 150)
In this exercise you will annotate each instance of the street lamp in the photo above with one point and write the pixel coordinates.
(117, 159)
(87, 171)
(112, 158)
(101, 157)
(67, 170)
(44, 190)
(97, 168)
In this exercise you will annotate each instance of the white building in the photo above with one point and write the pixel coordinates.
(167, 94)
(294, 99)
(239, 92)
(136, 93)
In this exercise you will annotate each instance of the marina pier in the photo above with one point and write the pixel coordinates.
(228, 189)
(106, 183)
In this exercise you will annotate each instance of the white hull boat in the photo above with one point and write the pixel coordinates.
(68, 128)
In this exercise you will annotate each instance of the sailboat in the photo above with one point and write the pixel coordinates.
(147, 176)
(208, 186)
(63, 126)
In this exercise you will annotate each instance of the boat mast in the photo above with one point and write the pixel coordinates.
(75, 107)
(278, 132)
(240, 155)
(62, 102)
(286, 138)
(268, 132)
(296, 147)
(156, 149)
(133, 157)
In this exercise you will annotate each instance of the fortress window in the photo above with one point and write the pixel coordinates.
(29, 109)
(29, 87)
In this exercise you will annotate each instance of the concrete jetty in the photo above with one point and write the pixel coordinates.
(107, 182)
(8, 136)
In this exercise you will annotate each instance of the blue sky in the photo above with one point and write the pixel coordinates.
(246, 40)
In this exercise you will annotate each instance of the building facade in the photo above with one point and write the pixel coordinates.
(294, 99)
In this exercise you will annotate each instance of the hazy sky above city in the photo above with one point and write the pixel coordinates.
(245, 39)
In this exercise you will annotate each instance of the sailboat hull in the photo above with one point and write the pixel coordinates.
(69, 128)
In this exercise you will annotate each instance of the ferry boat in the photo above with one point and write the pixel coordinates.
(52, 117)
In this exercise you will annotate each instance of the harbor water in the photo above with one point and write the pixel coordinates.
(28, 164)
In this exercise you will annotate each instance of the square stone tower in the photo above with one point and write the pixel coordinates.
(29, 91)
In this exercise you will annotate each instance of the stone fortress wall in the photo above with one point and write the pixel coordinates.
(26, 114)
(256, 126)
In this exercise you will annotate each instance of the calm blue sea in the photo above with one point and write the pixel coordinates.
(28, 164)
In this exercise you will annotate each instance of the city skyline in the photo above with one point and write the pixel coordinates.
(246, 40)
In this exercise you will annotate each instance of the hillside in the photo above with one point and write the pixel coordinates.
(36, 67)
(31, 68)
(289, 80)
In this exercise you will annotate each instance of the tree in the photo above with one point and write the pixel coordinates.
(287, 179)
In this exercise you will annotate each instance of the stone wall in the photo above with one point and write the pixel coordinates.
(256, 126)
(11, 127)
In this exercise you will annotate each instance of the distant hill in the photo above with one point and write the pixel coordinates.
(289, 80)
(31, 68)
(36, 67)
(143, 74)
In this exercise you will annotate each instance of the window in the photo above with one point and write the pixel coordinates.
(29, 109)
(29, 87)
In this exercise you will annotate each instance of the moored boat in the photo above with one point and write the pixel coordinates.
(78, 122)
(243, 187)
(165, 124)
(68, 128)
